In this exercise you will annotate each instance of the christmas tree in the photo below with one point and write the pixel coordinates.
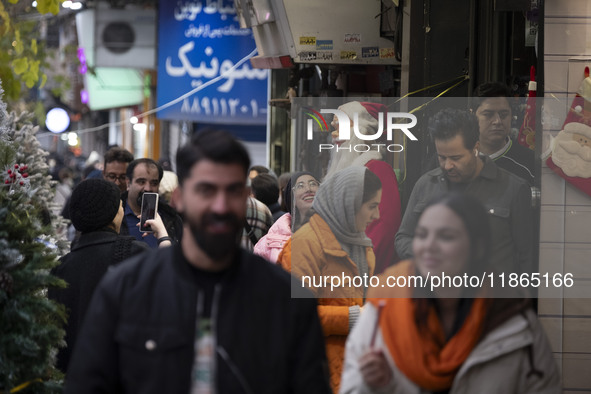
(30, 324)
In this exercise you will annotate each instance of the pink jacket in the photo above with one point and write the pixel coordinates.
(272, 243)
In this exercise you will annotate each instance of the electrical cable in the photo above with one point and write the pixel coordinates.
(170, 103)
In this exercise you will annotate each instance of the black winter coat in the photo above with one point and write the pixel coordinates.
(83, 269)
(140, 330)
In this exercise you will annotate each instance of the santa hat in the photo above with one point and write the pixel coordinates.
(367, 119)
(580, 109)
(367, 114)
(374, 108)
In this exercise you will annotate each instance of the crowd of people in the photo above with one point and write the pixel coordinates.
(212, 299)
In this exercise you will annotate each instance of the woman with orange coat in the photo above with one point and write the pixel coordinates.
(333, 244)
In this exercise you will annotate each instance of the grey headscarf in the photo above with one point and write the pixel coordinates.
(337, 201)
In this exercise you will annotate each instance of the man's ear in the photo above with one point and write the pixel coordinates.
(477, 147)
(176, 199)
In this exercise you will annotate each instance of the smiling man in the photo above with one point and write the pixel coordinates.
(203, 316)
(462, 168)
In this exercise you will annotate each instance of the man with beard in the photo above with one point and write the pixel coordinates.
(144, 176)
(462, 168)
(203, 316)
(571, 150)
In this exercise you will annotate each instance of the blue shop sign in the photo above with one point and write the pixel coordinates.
(199, 41)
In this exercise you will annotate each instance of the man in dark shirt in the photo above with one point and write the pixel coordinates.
(506, 197)
(144, 176)
(494, 113)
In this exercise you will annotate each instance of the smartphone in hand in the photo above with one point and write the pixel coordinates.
(149, 208)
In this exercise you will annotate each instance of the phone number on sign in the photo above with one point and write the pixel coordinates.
(534, 279)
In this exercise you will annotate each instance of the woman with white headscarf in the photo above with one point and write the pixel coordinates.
(382, 231)
(333, 243)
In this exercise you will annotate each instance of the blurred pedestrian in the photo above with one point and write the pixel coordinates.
(454, 339)
(256, 224)
(96, 211)
(63, 189)
(203, 315)
(116, 161)
(266, 189)
(257, 170)
(283, 179)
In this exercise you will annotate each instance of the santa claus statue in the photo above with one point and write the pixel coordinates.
(571, 148)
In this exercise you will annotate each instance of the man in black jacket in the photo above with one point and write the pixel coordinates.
(491, 106)
(204, 315)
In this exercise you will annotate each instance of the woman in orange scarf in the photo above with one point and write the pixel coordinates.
(451, 340)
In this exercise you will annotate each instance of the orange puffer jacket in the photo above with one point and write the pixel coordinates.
(313, 250)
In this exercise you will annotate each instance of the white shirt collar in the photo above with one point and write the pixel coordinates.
(501, 151)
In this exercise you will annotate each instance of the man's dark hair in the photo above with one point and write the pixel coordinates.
(448, 123)
(165, 163)
(216, 145)
(259, 169)
(265, 189)
(487, 90)
(118, 154)
(148, 162)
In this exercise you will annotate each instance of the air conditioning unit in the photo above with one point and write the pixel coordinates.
(125, 38)
(109, 87)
